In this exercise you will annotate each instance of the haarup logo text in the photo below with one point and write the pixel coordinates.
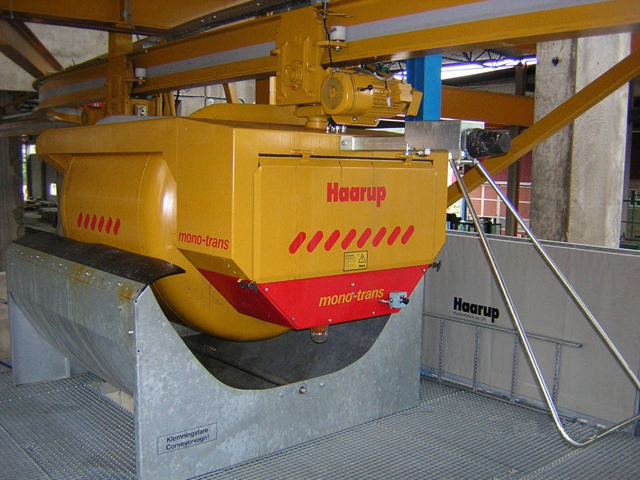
(336, 193)
(475, 309)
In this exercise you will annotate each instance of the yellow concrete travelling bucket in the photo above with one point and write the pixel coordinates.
(276, 226)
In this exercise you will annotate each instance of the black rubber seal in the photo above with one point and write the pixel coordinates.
(132, 266)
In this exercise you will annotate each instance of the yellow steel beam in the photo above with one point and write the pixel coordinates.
(230, 92)
(354, 12)
(150, 16)
(227, 54)
(20, 44)
(120, 75)
(101, 11)
(161, 15)
(265, 91)
(30, 126)
(419, 34)
(600, 88)
(474, 105)
(244, 50)
(75, 86)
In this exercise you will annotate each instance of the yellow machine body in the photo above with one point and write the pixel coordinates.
(276, 226)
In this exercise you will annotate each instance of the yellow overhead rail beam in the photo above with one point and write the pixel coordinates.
(484, 24)
(143, 17)
(376, 30)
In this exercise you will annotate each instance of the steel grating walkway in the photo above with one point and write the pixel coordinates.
(67, 430)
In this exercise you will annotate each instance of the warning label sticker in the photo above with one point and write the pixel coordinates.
(187, 438)
(356, 261)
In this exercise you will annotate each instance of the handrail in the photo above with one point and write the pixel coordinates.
(496, 328)
(517, 323)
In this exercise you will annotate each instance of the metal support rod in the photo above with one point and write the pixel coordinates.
(441, 350)
(514, 368)
(517, 323)
(565, 283)
(556, 373)
(476, 356)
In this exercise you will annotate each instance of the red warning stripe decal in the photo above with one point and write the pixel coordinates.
(379, 236)
(315, 240)
(336, 238)
(90, 221)
(331, 241)
(348, 239)
(297, 242)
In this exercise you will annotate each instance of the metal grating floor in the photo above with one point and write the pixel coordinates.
(67, 430)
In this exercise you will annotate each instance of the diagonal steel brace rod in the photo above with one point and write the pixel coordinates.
(517, 323)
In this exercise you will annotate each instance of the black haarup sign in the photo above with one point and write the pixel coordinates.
(476, 310)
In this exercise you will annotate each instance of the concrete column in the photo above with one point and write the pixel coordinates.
(578, 174)
(599, 148)
(551, 167)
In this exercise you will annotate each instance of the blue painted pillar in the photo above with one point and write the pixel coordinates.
(424, 74)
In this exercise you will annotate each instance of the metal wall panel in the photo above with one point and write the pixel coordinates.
(471, 349)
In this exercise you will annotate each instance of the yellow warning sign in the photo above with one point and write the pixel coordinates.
(356, 260)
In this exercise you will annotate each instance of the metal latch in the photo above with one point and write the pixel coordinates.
(397, 300)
